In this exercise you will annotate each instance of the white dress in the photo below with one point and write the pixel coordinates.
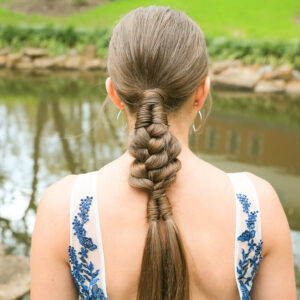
(86, 251)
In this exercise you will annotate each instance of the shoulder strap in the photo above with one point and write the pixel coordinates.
(248, 238)
(85, 250)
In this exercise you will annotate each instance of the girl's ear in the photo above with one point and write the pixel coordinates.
(201, 93)
(112, 94)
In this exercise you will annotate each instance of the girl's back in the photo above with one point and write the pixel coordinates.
(203, 203)
(210, 218)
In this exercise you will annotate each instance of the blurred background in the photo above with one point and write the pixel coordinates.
(52, 87)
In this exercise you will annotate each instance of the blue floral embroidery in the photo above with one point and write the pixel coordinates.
(82, 271)
(250, 259)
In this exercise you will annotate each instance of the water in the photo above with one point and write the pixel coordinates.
(50, 126)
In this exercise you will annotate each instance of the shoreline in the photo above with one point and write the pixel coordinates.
(231, 75)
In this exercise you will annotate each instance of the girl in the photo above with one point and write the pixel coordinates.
(159, 223)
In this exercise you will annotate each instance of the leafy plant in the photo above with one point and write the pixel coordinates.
(58, 40)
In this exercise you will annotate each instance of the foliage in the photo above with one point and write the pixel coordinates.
(59, 39)
(261, 51)
(56, 40)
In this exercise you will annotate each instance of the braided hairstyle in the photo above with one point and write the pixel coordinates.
(157, 59)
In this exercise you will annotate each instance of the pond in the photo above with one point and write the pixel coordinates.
(51, 125)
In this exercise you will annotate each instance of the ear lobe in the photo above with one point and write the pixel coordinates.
(202, 93)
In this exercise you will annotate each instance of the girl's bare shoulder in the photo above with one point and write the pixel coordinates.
(53, 213)
(57, 195)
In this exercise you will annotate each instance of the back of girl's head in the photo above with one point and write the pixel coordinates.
(157, 59)
(157, 47)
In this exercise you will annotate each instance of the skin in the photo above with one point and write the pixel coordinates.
(203, 206)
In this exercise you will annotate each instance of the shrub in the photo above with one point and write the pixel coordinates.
(59, 39)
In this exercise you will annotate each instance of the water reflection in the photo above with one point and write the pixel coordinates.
(50, 126)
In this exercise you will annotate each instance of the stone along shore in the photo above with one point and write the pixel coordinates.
(231, 75)
(14, 276)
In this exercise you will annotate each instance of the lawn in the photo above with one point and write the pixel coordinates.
(231, 18)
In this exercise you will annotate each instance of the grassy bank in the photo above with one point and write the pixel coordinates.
(58, 40)
(248, 19)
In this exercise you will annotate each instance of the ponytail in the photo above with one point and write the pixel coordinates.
(164, 272)
(157, 59)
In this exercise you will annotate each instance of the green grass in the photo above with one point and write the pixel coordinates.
(232, 18)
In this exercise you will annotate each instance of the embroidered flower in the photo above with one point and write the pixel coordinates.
(88, 243)
(246, 235)
(251, 253)
(82, 270)
(97, 293)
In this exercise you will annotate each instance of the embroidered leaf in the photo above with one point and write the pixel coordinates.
(94, 281)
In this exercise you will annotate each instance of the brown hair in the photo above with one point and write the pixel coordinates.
(157, 59)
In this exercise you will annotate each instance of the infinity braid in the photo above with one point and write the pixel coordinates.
(154, 169)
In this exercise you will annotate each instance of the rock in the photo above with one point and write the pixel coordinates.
(254, 67)
(237, 78)
(284, 72)
(12, 59)
(24, 64)
(94, 64)
(5, 51)
(59, 61)
(220, 66)
(35, 52)
(296, 74)
(89, 51)
(265, 69)
(73, 62)
(270, 86)
(2, 61)
(43, 63)
(14, 276)
(293, 87)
